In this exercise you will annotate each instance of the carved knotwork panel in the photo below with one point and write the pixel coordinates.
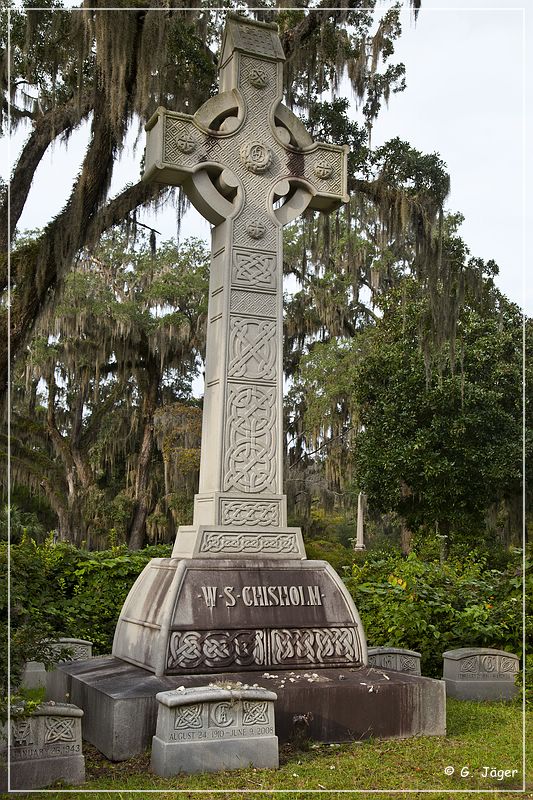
(249, 543)
(254, 268)
(252, 349)
(258, 513)
(59, 729)
(249, 463)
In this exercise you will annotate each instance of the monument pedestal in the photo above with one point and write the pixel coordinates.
(338, 704)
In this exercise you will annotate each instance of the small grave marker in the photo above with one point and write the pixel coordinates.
(395, 658)
(46, 747)
(216, 727)
(480, 673)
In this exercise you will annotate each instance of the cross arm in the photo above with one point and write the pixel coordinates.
(326, 171)
(184, 150)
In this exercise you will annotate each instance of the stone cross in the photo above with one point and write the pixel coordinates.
(247, 163)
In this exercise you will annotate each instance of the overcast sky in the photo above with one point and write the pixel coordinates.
(466, 99)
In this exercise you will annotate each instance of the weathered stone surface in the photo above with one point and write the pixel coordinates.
(46, 747)
(249, 166)
(34, 675)
(480, 673)
(216, 727)
(196, 615)
(345, 704)
(396, 658)
(56, 683)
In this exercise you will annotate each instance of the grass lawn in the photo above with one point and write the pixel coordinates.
(480, 735)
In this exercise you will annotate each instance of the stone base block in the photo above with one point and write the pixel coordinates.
(42, 772)
(480, 690)
(334, 705)
(170, 758)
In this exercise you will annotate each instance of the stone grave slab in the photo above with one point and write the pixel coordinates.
(396, 658)
(47, 747)
(480, 673)
(56, 683)
(344, 703)
(34, 675)
(216, 727)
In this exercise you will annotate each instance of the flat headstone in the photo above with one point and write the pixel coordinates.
(395, 658)
(480, 673)
(46, 747)
(56, 681)
(215, 727)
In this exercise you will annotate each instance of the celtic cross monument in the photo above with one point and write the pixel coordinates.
(238, 592)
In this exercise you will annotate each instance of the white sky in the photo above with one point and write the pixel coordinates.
(466, 98)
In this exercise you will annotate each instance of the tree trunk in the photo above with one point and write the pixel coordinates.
(406, 538)
(137, 531)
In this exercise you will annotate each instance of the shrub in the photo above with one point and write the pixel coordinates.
(433, 607)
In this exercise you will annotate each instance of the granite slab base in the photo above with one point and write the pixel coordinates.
(170, 758)
(37, 773)
(481, 690)
(333, 705)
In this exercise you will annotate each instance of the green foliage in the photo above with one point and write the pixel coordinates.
(432, 607)
(60, 591)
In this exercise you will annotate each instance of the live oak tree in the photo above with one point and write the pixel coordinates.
(428, 427)
(111, 69)
(95, 392)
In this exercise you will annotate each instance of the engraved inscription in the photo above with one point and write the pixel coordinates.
(250, 439)
(254, 268)
(263, 595)
(255, 712)
(188, 716)
(253, 303)
(252, 349)
(261, 513)
(222, 714)
(59, 729)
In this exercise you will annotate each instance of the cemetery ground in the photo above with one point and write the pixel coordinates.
(479, 736)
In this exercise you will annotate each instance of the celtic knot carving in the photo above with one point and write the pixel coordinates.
(258, 77)
(21, 732)
(315, 645)
(255, 713)
(188, 716)
(252, 349)
(256, 156)
(469, 664)
(407, 664)
(255, 229)
(508, 665)
(248, 543)
(250, 440)
(253, 649)
(323, 170)
(262, 514)
(255, 269)
(179, 142)
(190, 649)
(59, 729)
